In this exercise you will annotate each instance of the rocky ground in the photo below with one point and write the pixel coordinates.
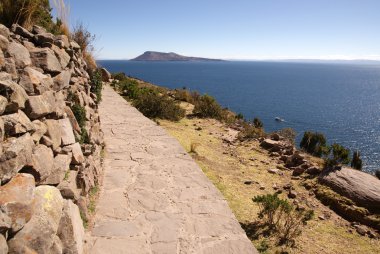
(241, 170)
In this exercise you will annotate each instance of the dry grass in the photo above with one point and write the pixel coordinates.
(63, 12)
(229, 166)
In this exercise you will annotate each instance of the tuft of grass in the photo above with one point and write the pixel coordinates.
(67, 175)
(193, 147)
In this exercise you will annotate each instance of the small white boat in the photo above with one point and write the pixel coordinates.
(278, 119)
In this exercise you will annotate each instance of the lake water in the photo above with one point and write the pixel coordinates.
(340, 100)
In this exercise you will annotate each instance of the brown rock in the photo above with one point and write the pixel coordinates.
(53, 132)
(39, 130)
(313, 170)
(45, 59)
(362, 188)
(62, 56)
(298, 171)
(17, 29)
(62, 80)
(71, 231)
(39, 234)
(3, 104)
(15, 95)
(38, 29)
(60, 166)
(2, 59)
(40, 105)
(3, 245)
(66, 132)
(106, 76)
(4, 31)
(17, 153)
(44, 38)
(4, 43)
(10, 68)
(72, 119)
(20, 54)
(42, 162)
(78, 157)
(16, 199)
(68, 187)
(34, 82)
(62, 40)
(17, 123)
(2, 131)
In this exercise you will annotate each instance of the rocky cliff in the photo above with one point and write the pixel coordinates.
(49, 160)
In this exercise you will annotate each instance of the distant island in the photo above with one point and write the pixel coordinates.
(161, 56)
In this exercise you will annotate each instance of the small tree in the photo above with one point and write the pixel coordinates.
(258, 123)
(339, 155)
(314, 143)
(207, 107)
(356, 162)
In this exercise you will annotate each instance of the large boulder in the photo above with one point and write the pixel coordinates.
(77, 153)
(16, 200)
(17, 152)
(15, 95)
(45, 59)
(39, 130)
(17, 123)
(40, 105)
(61, 166)
(34, 82)
(3, 245)
(17, 29)
(62, 80)
(4, 31)
(362, 188)
(39, 234)
(20, 54)
(44, 39)
(71, 231)
(106, 76)
(42, 162)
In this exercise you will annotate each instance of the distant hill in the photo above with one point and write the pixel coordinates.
(160, 56)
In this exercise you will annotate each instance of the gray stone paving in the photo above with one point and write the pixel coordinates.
(155, 198)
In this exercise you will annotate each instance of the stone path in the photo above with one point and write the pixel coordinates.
(155, 198)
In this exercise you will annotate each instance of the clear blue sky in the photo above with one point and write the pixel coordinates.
(233, 29)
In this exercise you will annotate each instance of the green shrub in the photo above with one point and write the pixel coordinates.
(130, 88)
(153, 105)
(249, 131)
(282, 217)
(97, 85)
(258, 123)
(314, 143)
(239, 116)
(80, 114)
(339, 155)
(356, 162)
(207, 107)
(84, 137)
(119, 76)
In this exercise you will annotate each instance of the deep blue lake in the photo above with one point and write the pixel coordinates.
(340, 100)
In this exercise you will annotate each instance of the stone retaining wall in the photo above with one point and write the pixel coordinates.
(46, 174)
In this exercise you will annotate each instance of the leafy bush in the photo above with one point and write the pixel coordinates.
(249, 131)
(258, 123)
(339, 155)
(207, 107)
(314, 143)
(130, 88)
(97, 85)
(282, 217)
(119, 76)
(80, 115)
(153, 105)
(356, 162)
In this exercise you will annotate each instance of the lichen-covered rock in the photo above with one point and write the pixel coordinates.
(60, 166)
(71, 231)
(39, 234)
(17, 152)
(20, 54)
(16, 200)
(362, 188)
(42, 162)
(15, 95)
(34, 82)
(17, 123)
(62, 80)
(45, 59)
(40, 105)
(53, 132)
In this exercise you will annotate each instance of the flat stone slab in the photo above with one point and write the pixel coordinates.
(155, 198)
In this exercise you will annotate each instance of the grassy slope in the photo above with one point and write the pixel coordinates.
(228, 166)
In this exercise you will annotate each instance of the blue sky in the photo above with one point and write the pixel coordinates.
(233, 29)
